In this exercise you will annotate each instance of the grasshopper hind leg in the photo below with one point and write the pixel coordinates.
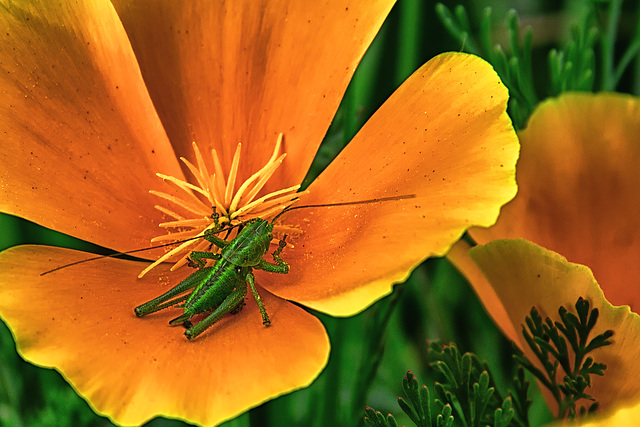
(185, 319)
(232, 304)
(239, 308)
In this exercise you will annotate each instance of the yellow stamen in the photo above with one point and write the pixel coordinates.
(193, 199)
(262, 203)
(168, 255)
(169, 212)
(202, 167)
(191, 207)
(231, 181)
(218, 177)
(212, 190)
(266, 171)
(183, 184)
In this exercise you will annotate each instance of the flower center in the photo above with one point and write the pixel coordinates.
(213, 190)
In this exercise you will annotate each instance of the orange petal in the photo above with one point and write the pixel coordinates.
(524, 275)
(578, 188)
(80, 320)
(244, 71)
(80, 138)
(445, 137)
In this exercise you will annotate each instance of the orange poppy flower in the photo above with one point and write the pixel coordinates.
(100, 97)
(578, 184)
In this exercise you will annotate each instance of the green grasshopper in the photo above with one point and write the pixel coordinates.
(220, 290)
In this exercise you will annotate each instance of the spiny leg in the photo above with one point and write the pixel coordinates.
(230, 304)
(252, 284)
(158, 303)
(279, 265)
(196, 258)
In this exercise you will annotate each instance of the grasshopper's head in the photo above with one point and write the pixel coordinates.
(251, 243)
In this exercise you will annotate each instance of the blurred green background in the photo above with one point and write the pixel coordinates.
(372, 351)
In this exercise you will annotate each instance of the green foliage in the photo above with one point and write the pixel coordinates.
(609, 15)
(361, 371)
(419, 408)
(565, 345)
(468, 387)
(573, 68)
(466, 395)
(573, 65)
(520, 397)
(375, 418)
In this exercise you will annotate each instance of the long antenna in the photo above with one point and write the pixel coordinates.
(229, 228)
(120, 254)
(358, 202)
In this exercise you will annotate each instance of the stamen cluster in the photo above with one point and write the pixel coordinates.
(213, 190)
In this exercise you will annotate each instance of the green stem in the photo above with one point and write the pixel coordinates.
(608, 45)
(408, 39)
(635, 81)
(635, 88)
(330, 396)
(350, 121)
(373, 349)
(630, 54)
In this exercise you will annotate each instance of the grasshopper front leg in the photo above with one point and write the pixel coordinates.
(279, 265)
(197, 258)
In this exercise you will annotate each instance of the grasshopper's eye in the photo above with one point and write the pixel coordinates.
(238, 270)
